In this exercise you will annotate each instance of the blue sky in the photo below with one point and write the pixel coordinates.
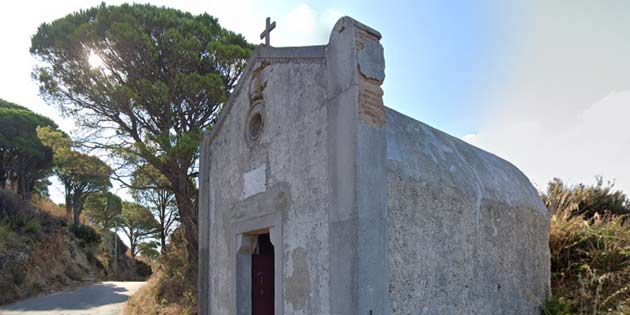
(440, 56)
(544, 84)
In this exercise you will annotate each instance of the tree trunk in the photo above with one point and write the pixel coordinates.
(162, 238)
(77, 206)
(132, 244)
(68, 207)
(22, 182)
(185, 192)
(189, 221)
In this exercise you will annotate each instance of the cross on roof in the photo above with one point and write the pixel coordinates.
(268, 28)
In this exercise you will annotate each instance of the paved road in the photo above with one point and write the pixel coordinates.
(104, 298)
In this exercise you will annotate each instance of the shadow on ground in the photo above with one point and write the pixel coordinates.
(77, 299)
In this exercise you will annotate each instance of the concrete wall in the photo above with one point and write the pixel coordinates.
(467, 232)
(282, 174)
(358, 252)
(370, 212)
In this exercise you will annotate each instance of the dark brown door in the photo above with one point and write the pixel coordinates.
(263, 277)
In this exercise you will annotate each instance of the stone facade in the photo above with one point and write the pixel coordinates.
(368, 211)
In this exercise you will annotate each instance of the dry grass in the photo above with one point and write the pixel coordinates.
(48, 206)
(590, 262)
(173, 288)
(144, 302)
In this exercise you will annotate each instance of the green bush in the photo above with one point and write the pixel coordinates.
(85, 233)
(23, 223)
(555, 306)
(31, 224)
(6, 235)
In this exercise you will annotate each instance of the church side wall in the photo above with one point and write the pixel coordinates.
(467, 232)
(282, 174)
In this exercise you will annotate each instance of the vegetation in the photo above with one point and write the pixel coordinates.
(149, 250)
(86, 234)
(586, 200)
(35, 247)
(173, 288)
(104, 210)
(138, 223)
(151, 189)
(144, 81)
(24, 161)
(590, 252)
(81, 174)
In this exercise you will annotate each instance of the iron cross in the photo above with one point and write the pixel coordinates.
(267, 32)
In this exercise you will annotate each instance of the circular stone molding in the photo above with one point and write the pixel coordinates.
(255, 122)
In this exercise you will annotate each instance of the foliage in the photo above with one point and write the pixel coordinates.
(590, 262)
(149, 250)
(584, 199)
(86, 234)
(9, 203)
(6, 235)
(104, 209)
(178, 281)
(24, 160)
(555, 306)
(143, 269)
(157, 79)
(151, 189)
(23, 222)
(138, 223)
(81, 174)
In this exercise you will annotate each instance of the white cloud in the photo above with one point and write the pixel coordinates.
(593, 141)
(560, 106)
(298, 24)
(303, 26)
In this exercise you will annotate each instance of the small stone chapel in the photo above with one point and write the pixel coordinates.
(315, 198)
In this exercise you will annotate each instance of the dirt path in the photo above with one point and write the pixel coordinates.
(104, 298)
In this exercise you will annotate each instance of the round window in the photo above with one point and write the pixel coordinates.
(255, 125)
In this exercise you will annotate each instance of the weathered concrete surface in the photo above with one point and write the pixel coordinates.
(369, 212)
(105, 298)
(467, 231)
(282, 173)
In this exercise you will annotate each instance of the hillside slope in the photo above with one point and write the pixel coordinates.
(40, 253)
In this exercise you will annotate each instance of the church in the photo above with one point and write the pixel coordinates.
(315, 198)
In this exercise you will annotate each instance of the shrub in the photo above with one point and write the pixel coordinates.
(85, 233)
(585, 200)
(590, 262)
(143, 269)
(6, 235)
(555, 306)
(22, 222)
(9, 204)
(177, 282)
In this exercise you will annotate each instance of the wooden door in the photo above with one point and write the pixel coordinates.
(263, 278)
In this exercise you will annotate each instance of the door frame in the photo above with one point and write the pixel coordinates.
(244, 243)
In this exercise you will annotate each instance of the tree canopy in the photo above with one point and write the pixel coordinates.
(146, 81)
(138, 223)
(24, 160)
(151, 189)
(104, 209)
(81, 174)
